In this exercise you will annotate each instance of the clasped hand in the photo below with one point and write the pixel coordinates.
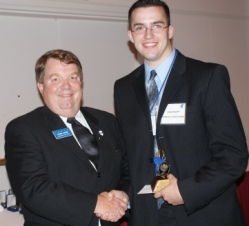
(111, 206)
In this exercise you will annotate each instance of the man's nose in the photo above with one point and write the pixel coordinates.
(148, 32)
(65, 83)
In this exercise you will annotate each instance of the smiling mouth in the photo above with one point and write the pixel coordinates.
(65, 95)
(150, 44)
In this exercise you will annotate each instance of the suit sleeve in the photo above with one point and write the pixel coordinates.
(28, 173)
(227, 145)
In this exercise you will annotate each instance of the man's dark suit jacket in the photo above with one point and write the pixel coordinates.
(53, 179)
(207, 154)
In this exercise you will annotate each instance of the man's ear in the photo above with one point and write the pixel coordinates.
(171, 31)
(130, 36)
(40, 87)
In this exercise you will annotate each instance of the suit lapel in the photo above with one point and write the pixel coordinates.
(175, 80)
(93, 122)
(139, 89)
(54, 122)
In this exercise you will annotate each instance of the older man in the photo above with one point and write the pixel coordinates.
(63, 159)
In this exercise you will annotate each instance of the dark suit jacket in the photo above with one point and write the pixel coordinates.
(53, 179)
(207, 154)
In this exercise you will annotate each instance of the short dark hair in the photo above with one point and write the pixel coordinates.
(64, 56)
(149, 3)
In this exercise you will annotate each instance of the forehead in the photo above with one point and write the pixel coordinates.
(148, 15)
(55, 66)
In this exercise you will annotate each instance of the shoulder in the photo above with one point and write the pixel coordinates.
(93, 112)
(199, 66)
(139, 71)
(29, 117)
(196, 64)
(99, 117)
(196, 70)
(30, 122)
(204, 67)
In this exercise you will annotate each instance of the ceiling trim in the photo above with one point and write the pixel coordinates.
(111, 10)
(64, 9)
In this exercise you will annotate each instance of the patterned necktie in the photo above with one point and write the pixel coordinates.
(152, 90)
(86, 140)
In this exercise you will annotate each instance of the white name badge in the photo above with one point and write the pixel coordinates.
(174, 114)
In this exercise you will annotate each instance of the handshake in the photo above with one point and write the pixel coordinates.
(111, 206)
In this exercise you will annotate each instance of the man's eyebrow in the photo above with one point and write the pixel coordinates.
(137, 24)
(158, 22)
(155, 22)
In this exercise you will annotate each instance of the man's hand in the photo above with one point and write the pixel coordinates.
(110, 208)
(118, 194)
(171, 193)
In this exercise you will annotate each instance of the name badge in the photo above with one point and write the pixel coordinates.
(62, 133)
(174, 114)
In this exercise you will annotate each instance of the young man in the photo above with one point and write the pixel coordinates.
(184, 108)
(58, 176)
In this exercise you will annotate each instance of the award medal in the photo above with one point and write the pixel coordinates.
(162, 168)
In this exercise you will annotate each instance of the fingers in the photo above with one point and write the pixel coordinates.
(110, 196)
(125, 197)
(171, 176)
(171, 193)
(112, 214)
(122, 196)
(118, 194)
(157, 194)
(109, 207)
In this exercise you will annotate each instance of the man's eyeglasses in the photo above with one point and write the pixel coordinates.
(140, 30)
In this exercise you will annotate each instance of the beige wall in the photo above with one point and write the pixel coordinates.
(214, 31)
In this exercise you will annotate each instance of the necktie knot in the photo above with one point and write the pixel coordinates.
(153, 74)
(73, 121)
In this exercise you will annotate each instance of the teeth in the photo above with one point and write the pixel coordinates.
(149, 44)
(65, 95)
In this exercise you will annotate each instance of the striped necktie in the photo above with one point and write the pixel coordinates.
(152, 90)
